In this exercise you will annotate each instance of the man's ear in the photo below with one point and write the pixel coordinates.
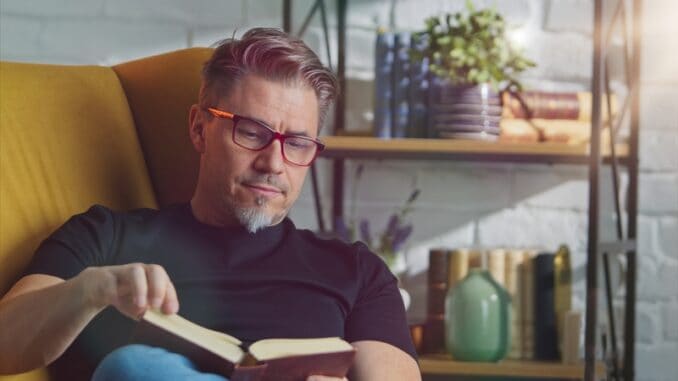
(196, 128)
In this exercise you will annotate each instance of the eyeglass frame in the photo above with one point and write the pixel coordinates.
(320, 146)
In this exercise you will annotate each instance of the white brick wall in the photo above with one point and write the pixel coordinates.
(461, 204)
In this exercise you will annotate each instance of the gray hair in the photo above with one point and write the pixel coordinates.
(273, 55)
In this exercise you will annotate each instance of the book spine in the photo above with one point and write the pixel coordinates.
(571, 337)
(527, 304)
(514, 259)
(545, 332)
(551, 105)
(434, 341)
(496, 265)
(383, 79)
(401, 85)
(457, 267)
(418, 90)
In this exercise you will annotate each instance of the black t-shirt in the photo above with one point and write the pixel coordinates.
(279, 282)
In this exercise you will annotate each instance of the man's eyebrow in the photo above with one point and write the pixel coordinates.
(291, 133)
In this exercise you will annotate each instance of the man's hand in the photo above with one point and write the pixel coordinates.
(131, 288)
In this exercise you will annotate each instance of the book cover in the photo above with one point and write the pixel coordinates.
(545, 331)
(265, 360)
(434, 333)
(401, 85)
(512, 279)
(418, 90)
(526, 271)
(383, 83)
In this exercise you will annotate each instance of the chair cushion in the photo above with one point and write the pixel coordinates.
(160, 91)
(67, 141)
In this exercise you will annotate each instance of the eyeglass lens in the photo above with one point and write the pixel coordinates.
(252, 135)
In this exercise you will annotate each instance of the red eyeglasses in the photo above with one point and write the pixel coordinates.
(255, 136)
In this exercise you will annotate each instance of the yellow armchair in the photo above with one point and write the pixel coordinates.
(73, 136)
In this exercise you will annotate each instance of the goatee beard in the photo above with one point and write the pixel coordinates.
(254, 218)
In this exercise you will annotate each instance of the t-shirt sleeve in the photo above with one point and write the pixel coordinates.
(379, 313)
(83, 241)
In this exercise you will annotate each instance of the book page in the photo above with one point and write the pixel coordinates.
(269, 349)
(218, 342)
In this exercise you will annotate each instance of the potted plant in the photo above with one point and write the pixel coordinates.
(471, 60)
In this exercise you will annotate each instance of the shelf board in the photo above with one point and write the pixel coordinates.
(443, 364)
(357, 147)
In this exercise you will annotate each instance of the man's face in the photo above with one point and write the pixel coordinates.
(241, 184)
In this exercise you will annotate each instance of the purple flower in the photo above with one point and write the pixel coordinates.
(401, 236)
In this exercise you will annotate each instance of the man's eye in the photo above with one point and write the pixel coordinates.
(251, 133)
(300, 144)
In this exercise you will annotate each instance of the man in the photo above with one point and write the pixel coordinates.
(230, 257)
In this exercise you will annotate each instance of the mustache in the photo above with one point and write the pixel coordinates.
(271, 180)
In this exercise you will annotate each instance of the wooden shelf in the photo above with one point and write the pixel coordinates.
(356, 147)
(443, 364)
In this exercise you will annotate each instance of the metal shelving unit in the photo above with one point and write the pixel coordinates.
(340, 148)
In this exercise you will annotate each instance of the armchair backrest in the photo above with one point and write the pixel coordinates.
(73, 136)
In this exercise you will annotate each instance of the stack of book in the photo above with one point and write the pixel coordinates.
(565, 117)
(401, 86)
(540, 287)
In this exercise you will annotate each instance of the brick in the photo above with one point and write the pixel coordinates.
(657, 193)
(670, 317)
(560, 187)
(561, 57)
(658, 109)
(360, 47)
(410, 14)
(382, 184)
(19, 36)
(265, 13)
(323, 170)
(657, 282)
(528, 227)
(109, 42)
(657, 362)
(52, 8)
(647, 238)
(369, 15)
(569, 16)
(668, 236)
(202, 13)
(658, 150)
(465, 187)
(655, 67)
(659, 18)
(648, 325)
(359, 104)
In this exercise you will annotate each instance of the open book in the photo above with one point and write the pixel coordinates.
(269, 359)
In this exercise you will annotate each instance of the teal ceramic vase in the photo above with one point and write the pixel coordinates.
(477, 319)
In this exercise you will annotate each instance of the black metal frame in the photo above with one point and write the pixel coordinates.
(623, 245)
(595, 249)
(340, 103)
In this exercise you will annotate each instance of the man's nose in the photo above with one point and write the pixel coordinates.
(270, 159)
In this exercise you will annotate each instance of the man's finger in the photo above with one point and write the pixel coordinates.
(158, 281)
(134, 278)
(171, 303)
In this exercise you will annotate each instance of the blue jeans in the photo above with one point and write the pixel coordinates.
(142, 362)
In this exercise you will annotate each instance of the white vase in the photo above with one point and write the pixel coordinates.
(406, 297)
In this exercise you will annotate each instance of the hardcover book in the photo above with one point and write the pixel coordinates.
(550, 105)
(265, 360)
